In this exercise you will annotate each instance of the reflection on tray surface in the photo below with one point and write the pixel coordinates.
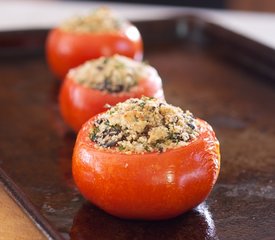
(92, 223)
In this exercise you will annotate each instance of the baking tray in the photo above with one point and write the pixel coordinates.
(203, 70)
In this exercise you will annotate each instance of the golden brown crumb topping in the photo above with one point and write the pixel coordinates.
(98, 21)
(112, 74)
(144, 125)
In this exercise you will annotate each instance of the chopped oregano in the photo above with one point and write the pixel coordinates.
(132, 126)
(113, 74)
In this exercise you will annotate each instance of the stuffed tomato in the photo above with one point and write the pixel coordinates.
(83, 38)
(146, 159)
(107, 80)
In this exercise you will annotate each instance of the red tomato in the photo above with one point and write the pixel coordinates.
(66, 50)
(79, 103)
(147, 186)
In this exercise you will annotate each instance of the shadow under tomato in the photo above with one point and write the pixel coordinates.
(65, 157)
(93, 223)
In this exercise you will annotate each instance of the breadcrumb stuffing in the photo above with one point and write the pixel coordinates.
(144, 125)
(112, 74)
(102, 20)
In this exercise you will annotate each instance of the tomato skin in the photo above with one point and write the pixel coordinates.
(150, 186)
(78, 103)
(66, 50)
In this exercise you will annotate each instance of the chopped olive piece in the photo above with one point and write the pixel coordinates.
(98, 21)
(113, 74)
(144, 125)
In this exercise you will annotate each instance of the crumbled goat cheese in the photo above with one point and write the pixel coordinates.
(101, 20)
(144, 125)
(113, 74)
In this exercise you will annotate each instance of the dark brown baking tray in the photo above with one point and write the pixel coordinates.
(199, 74)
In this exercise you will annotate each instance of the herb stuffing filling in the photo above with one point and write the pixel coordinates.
(101, 20)
(112, 74)
(144, 125)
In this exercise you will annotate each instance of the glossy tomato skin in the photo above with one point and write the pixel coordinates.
(79, 103)
(66, 50)
(149, 186)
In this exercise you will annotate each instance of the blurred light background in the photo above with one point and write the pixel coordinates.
(244, 5)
